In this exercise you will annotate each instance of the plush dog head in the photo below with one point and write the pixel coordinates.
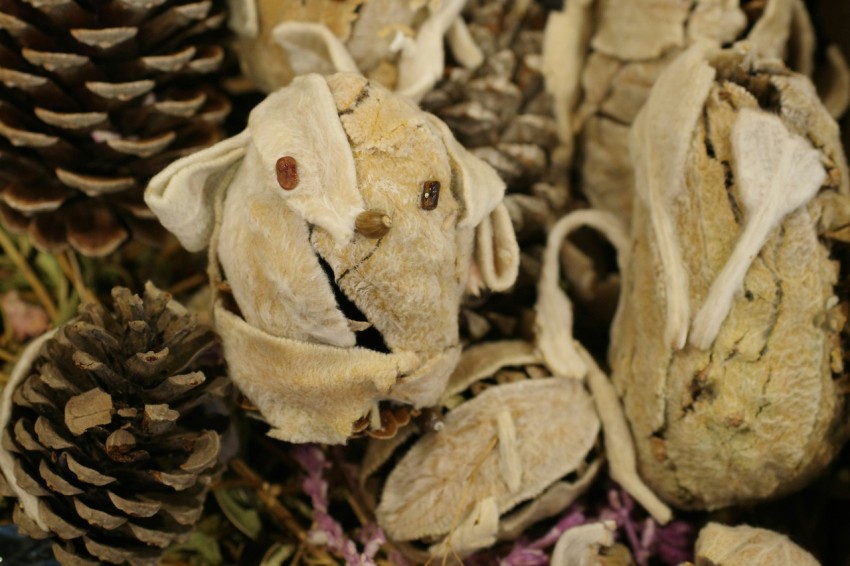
(347, 217)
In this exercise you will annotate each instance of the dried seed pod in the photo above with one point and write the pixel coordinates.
(630, 43)
(740, 381)
(511, 443)
(112, 430)
(373, 224)
(721, 545)
(348, 320)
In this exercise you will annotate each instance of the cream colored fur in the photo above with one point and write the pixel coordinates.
(357, 147)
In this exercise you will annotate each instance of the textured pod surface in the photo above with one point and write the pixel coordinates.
(496, 446)
(720, 545)
(113, 430)
(632, 42)
(758, 413)
(93, 102)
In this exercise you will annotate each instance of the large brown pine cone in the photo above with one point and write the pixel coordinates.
(114, 432)
(93, 102)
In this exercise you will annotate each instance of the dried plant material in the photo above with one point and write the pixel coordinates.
(24, 319)
(78, 450)
(565, 42)
(484, 360)
(95, 104)
(261, 57)
(760, 405)
(777, 173)
(580, 546)
(503, 112)
(660, 158)
(281, 39)
(554, 310)
(833, 82)
(721, 545)
(619, 446)
(631, 45)
(492, 453)
(568, 358)
(304, 279)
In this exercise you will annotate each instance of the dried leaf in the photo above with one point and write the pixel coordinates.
(660, 160)
(448, 473)
(777, 173)
(240, 509)
(761, 404)
(747, 546)
(580, 546)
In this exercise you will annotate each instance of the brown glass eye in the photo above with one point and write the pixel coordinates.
(430, 195)
(287, 173)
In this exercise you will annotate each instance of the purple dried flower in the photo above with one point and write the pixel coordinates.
(326, 530)
(674, 542)
(531, 554)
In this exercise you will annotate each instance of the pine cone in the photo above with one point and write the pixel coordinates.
(112, 434)
(93, 102)
(500, 110)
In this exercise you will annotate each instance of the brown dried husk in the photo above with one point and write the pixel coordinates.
(112, 430)
(761, 412)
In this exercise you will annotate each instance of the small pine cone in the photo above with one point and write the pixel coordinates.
(94, 102)
(113, 429)
(500, 110)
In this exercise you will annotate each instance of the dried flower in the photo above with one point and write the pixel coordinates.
(326, 530)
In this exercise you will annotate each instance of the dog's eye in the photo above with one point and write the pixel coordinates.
(286, 169)
(430, 195)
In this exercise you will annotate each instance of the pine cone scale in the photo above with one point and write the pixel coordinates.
(98, 518)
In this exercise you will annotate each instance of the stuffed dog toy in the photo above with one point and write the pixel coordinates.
(347, 224)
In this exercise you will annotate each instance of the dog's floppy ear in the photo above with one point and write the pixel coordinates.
(300, 122)
(183, 194)
(481, 191)
(312, 47)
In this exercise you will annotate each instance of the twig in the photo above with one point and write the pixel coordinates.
(69, 264)
(7, 356)
(264, 492)
(35, 283)
(187, 284)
